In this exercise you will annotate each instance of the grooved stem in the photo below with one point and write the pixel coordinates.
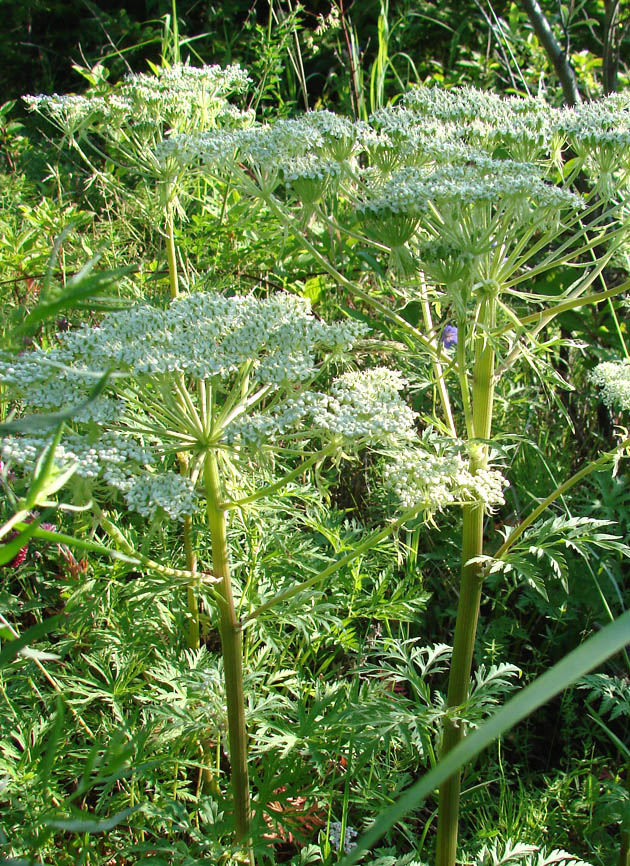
(470, 590)
(232, 649)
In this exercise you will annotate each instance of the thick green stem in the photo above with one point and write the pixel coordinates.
(232, 648)
(463, 646)
(470, 590)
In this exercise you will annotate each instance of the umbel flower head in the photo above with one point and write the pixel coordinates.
(175, 96)
(437, 475)
(134, 116)
(465, 211)
(232, 374)
(613, 378)
(599, 133)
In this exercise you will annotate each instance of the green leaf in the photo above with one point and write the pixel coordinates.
(53, 739)
(12, 649)
(372, 263)
(92, 825)
(313, 288)
(593, 652)
(412, 313)
(83, 286)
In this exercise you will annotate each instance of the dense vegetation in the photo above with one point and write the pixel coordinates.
(314, 431)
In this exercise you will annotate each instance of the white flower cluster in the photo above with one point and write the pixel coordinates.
(110, 451)
(238, 347)
(217, 147)
(362, 406)
(522, 126)
(321, 135)
(339, 135)
(176, 92)
(201, 335)
(527, 128)
(168, 491)
(258, 427)
(526, 138)
(310, 167)
(70, 111)
(481, 179)
(309, 176)
(366, 405)
(229, 116)
(605, 121)
(433, 480)
(119, 460)
(462, 104)
(613, 377)
(599, 132)
(448, 133)
(266, 145)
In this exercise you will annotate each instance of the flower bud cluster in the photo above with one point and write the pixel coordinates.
(464, 104)
(119, 460)
(433, 480)
(613, 378)
(366, 405)
(174, 96)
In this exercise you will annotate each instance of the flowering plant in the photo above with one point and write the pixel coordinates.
(225, 381)
(458, 202)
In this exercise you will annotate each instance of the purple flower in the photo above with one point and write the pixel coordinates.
(21, 555)
(449, 336)
(19, 558)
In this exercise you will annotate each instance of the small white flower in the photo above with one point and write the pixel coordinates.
(613, 378)
(435, 479)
